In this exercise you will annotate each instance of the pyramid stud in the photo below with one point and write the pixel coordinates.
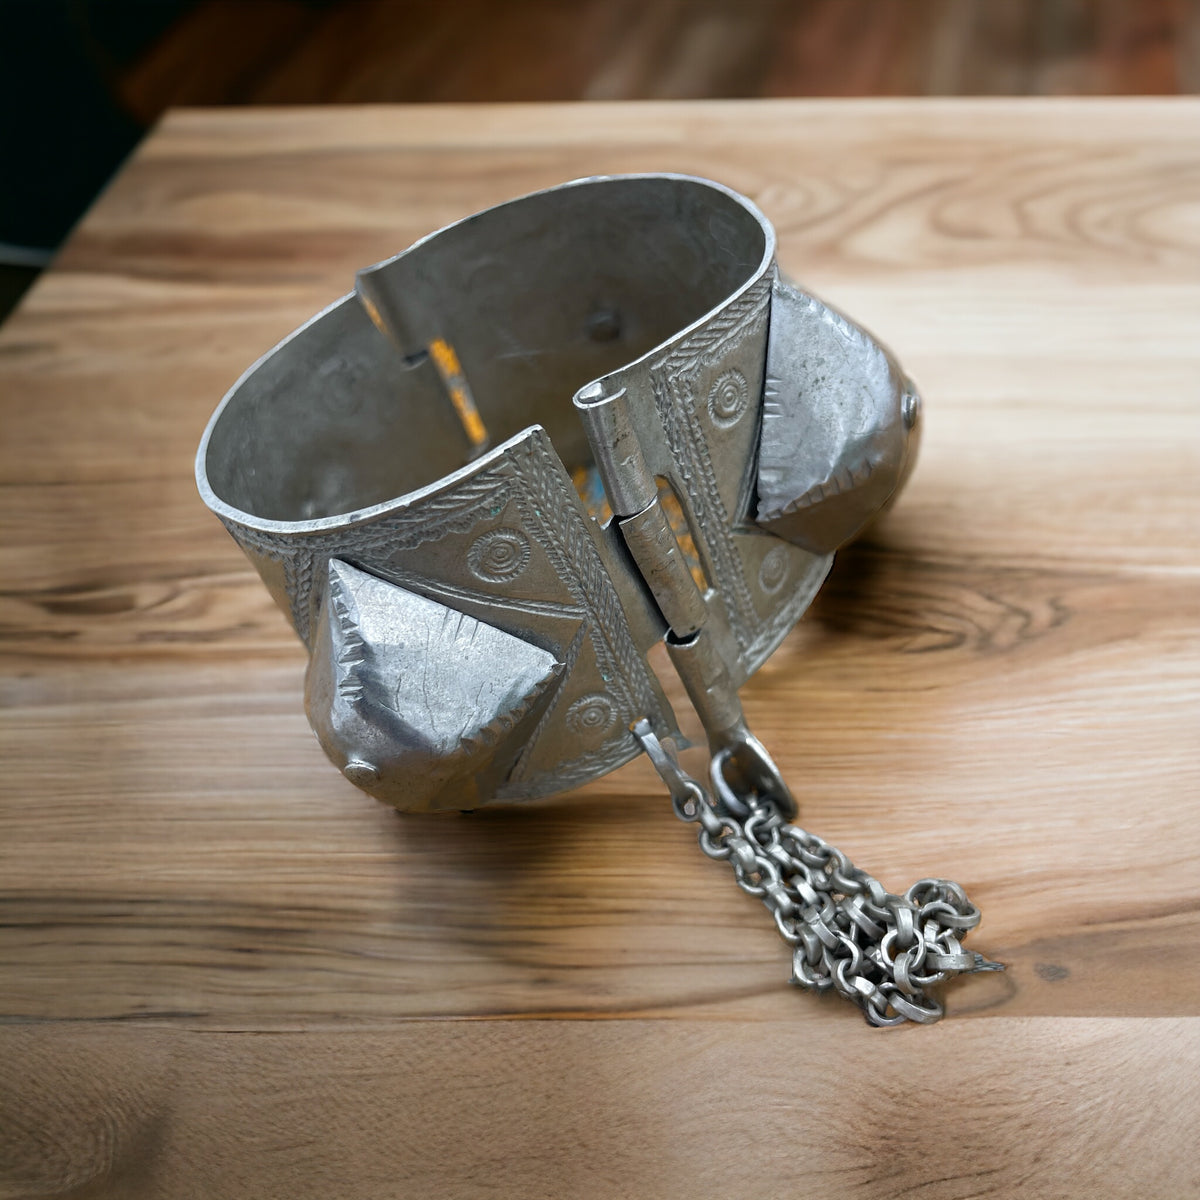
(839, 438)
(420, 705)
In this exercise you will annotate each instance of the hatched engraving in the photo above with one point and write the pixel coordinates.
(675, 375)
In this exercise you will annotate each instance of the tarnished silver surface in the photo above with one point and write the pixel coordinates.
(534, 445)
(422, 430)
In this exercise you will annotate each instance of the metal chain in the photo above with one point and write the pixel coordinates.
(847, 932)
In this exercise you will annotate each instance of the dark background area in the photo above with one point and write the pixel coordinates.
(82, 80)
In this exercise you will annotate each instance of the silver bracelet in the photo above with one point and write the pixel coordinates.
(528, 449)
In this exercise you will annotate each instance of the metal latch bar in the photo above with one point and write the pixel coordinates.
(633, 494)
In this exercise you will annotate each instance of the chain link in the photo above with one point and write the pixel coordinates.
(847, 932)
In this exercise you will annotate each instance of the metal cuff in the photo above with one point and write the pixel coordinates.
(479, 566)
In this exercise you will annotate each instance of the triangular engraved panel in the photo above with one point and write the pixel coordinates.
(420, 705)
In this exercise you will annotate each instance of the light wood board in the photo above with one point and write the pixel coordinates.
(1000, 684)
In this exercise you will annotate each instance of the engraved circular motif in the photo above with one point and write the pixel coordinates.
(591, 716)
(727, 398)
(774, 570)
(498, 555)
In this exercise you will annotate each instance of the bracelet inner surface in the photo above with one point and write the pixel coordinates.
(471, 336)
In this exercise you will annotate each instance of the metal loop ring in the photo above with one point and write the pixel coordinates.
(689, 801)
(945, 890)
(890, 938)
(909, 1008)
(755, 772)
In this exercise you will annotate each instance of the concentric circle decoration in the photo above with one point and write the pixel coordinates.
(498, 555)
(773, 571)
(591, 716)
(728, 398)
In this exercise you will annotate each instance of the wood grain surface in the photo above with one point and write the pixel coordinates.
(223, 971)
(370, 51)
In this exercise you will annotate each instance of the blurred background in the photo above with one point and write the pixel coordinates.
(82, 80)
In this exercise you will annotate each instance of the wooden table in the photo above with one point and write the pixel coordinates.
(225, 972)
